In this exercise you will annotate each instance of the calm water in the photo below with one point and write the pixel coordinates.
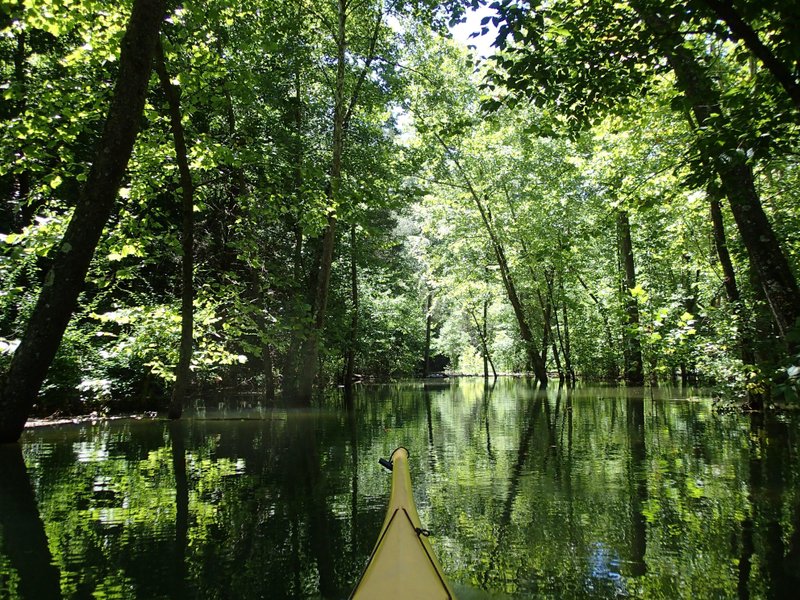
(597, 493)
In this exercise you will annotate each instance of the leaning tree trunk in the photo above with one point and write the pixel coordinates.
(755, 399)
(63, 283)
(736, 175)
(183, 372)
(729, 278)
(533, 354)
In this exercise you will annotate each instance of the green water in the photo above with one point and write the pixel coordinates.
(595, 493)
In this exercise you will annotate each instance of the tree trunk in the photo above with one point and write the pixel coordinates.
(183, 373)
(350, 359)
(426, 367)
(484, 332)
(291, 359)
(563, 340)
(533, 355)
(754, 400)
(310, 350)
(730, 163)
(342, 114)
(483, 335)
(486, 338)
(546, 307)
(632, 350)
(63, 283)
(566, 346)
(729, 277)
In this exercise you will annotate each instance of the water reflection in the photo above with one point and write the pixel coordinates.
(26, 564)
(594, 493)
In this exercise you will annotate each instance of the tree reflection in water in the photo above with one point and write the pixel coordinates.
(592, 492)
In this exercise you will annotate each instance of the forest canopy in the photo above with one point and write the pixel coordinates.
(278, 196)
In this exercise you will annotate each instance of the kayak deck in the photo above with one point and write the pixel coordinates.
(402, 564)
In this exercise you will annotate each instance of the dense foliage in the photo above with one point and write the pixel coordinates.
(614, 195)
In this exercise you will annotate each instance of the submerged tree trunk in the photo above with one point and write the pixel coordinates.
(183, 372)
(730, 163)
(64, 281)
(632, 350)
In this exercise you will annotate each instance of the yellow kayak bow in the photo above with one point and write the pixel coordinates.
(402, 564)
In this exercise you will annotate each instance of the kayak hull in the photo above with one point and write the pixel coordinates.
(402, 564)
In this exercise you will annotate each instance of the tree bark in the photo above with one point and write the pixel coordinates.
(729, 277)
(269, 377)
(183, 372)
(534, 356)
(546, 307)
(730, 163)
(632, 350)
(310, 351)
(63, 283)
